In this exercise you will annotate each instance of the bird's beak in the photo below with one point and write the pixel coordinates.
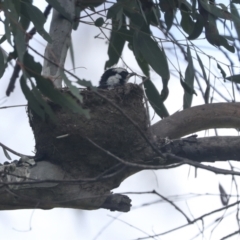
(130, 75)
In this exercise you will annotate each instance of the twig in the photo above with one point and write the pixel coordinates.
(14, 152)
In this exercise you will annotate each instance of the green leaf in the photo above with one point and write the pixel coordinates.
(86, 83)
(77, 16)
(155, 16)
(19, 40)
(11, 24)
(99, 22)
(34, 69)
(234, 78)
(235, 13)
(47, 109)
(6, 153)
(55, 4)
(141, 10)
(169, 17)
(116, 43)
(2, 63)
(187, 22)
(236, 1)
(202, 68)
(223, 42)
(211, 31)
(74, 90)
(38, 19)
(197, 28)
(114, 10)
(187, 88)
(207, 91)
(32, 102)
(189, 80)
(155, 99)
(152, 54)
(222, 71)
(215, 11)
(24, 21)
(206, 94)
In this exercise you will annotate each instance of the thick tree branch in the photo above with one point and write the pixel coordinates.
(60, 32)
(191, 120)
(208, 149)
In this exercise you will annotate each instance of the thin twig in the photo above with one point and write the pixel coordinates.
(14, 152)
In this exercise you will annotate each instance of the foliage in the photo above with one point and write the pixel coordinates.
(133, 22)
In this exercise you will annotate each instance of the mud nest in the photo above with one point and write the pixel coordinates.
(107, 127)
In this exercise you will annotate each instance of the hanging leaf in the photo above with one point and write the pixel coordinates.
(155, 99)
(38, 19)
(47, 109)
(222, 71)
(74, 90)
(6, 153)
(32, 102)
(152, 54)
(11, 22)
(235, 13)
(153, 96)
(114, 10)
(34, 69)
(215, 11)
(116, 43)
(223, 195)
(223, 42)
(187, 22)
(207, 91)
(197, 27)
(189, 81)
(169, 8)
(2, 63)
(169, 17)
(24, 21)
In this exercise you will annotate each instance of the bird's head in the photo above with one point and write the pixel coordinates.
(114, 77)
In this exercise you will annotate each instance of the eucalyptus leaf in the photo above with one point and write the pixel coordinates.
(6, 153)
(222, 71)
(234, 78)
(189, 82)
(32, 102)
(2, 63)
(38, 19)
(152, 54)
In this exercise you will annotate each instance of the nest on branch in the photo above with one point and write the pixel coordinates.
(107, 127)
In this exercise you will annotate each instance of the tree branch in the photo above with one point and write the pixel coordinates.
(60, 32)
(191, 120)
(207, 149)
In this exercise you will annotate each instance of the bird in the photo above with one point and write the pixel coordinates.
(114, 77)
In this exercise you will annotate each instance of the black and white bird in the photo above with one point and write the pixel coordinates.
(114, 77)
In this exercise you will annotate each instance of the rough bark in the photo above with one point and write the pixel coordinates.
(26, 184)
